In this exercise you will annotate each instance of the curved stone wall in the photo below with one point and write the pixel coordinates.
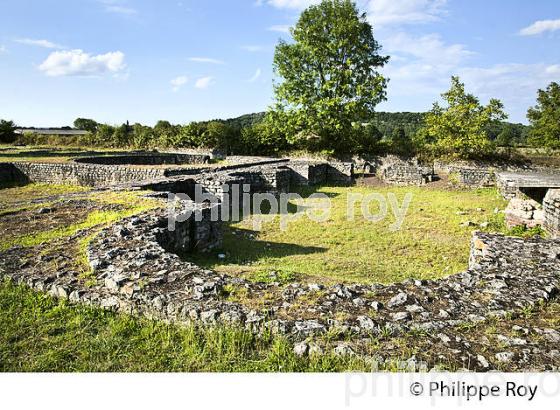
(146, 159)
(77, 174)
(135, 273)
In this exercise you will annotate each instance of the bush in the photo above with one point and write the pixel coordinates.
(7, 132)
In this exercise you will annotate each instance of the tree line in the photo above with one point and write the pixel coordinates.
(328, 84)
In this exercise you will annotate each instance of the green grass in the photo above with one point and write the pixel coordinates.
(38, 333)
(131, 202)
(30, 192)
(51, 153)
(431, 244)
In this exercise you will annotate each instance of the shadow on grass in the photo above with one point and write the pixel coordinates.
(241, 247)
(307, 191)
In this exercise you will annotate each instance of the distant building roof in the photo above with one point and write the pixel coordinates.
(51, 131)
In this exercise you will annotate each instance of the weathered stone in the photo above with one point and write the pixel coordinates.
(398, 300)
(309, 327)
(366, 323)
(504, 357)
(400, 316)
(301, 349)
(482, 361)
(209, 316)
(344, 349)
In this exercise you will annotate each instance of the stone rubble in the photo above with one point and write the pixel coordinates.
(136, 274)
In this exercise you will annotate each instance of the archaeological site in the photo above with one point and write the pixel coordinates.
(279, 203)
(134, 263)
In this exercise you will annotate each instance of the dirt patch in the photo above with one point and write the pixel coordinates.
(49, 217)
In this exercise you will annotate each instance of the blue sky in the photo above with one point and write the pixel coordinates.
(184, 60)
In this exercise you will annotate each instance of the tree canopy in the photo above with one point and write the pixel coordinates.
(328, 77)
(545, 117)
(85, 124)
(460, 129)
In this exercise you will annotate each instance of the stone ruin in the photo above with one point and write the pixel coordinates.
(551, 206)
(397, 170)
(533, 199)
(140, 267)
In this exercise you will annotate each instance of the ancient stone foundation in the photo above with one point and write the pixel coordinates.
(154, 158)
(76, 174)
(140, 266)
(402, 171)
(470, 175)
(524, 212)
(134, 272)
(551, 206)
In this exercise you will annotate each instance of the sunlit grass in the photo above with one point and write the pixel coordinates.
(431, 243)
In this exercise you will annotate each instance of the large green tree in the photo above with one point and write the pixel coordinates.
(545, 118)
(328, 76)
(460, 129)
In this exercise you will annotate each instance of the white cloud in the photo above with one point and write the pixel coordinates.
(127, 11)
(77, 62)
(255, 76)
(420, 68)
(38, 43)
(204, 82)
(392, 12)
(178, 82)
(206, 60)
(3, 49)
(118, 7)
(428, 48)
(540, 27)
(515, 84)
(381, 12)
(280, 28)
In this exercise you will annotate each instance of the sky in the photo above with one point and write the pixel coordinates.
(190, 60)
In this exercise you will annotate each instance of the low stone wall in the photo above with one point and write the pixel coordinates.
(524, 212)
(401, 171)
(485, 174)
(265, 179)
(155, 158)
(78, 174)
(532, 184)
(135, 274)
(197, 228)
(306, 173)
(473, 177)
(340, 173)
(252, 160)
(212, 153)
(468, 174)
(507, 186)
(551, 207)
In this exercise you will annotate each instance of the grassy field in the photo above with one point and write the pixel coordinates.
(52, 154)
(431, 243)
